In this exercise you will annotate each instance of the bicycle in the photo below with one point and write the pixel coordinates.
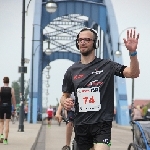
(141, 135)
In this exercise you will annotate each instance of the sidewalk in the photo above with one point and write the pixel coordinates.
(129, 127)
(22, 140)
(55, 137)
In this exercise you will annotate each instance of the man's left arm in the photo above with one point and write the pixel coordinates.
(131, 43)
(133, 71)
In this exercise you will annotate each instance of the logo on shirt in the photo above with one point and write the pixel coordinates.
(95, 83)
(97, 72)
(78, 76)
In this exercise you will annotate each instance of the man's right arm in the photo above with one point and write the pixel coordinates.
(64, 97)
(13, 98)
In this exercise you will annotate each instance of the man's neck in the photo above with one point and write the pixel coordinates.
(5, 84)
(87, 59)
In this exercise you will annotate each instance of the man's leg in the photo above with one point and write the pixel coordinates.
(101, 147)
(102, 139)
(1, 126)
(69, 128)
(48, 121)
(83, 138)
(6, 131)
(7, 120)
(1, 130)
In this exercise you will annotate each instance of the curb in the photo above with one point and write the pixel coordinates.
(36, 139)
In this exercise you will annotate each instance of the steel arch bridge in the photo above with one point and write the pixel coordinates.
(69, 13)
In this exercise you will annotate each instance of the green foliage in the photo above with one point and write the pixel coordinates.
(17, 88)
(148, 105)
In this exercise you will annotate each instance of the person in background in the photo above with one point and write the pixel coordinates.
(50, 115)
(54, 111)
(69, 115)
(136, 115)
(7, 96)
(17, 111)
(114, 114)
(26, 111)
(13, 115)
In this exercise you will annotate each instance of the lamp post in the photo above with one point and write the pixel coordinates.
(132, 96)
(48, 51)
(51, 7)
(48, 67)
(33, 53)
(22, 70)
(118, 53)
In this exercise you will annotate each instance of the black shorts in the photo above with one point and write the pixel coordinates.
(87, 135)
(5, 110)
(49, 118)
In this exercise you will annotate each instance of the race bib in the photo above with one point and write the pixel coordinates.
(89, 99)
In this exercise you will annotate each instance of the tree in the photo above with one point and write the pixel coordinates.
(16, 87)
(148, 105)
(26, 91)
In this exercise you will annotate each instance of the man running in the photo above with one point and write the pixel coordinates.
(50, 115)
(92, 81)
(69, 124)
(7, 96)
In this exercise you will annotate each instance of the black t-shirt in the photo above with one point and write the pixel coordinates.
(99, 73)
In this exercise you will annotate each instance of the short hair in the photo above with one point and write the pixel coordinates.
(5, 80)
(89, 29)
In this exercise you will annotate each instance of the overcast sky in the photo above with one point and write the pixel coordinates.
(10, 37)
(136, 14)
(128, 13)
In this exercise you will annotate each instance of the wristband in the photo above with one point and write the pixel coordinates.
(133, 53)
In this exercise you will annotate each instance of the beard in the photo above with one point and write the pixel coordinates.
(86, 53)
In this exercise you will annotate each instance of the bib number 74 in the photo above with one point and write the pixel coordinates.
(89, 99)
